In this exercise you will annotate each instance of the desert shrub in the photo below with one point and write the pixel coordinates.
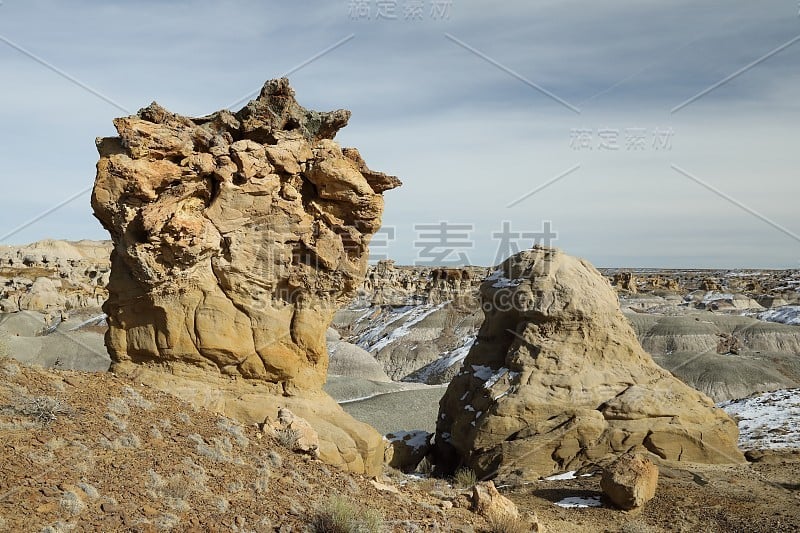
(167, 521)
(275, 459)
(58, 527)
(136, 399)
(236, 486)
(287, 437)
(505, 523)
(72, 504)
(220, 504)
(174, 491)
(464, 478)
(339, 515)
(220, 449)
(119, 406)
(126, 440)
(44, 409)
(262, 479)
(90, 490)
(116, 421)
(234, 429)
(636, 527)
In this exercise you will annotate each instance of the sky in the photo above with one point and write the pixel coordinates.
(630, 133)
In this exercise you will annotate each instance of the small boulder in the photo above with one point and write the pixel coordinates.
(306, 439)
(409, 448)
(488, 502)
(630, 481)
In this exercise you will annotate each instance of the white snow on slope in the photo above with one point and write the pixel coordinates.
(482, 372)
(767, 421)
(713, 296)
(99, 320)
(502, 282)
(375, 339)
(448, 359)
(788, 314)
(414, 439)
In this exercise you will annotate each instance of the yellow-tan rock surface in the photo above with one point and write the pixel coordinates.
(236, 238)
(557, 379)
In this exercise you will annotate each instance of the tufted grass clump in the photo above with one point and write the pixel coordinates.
(464, 478)
(505, 523)
(287, 437)
(337, 514)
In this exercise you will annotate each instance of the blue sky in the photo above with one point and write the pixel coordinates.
(439, 102)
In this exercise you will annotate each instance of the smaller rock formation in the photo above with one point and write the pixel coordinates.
(388, 284)
(630, 481)
(663, 283)
(557, 379)
(488, 502)
(625, 281)
(409, 448)
(295, 432)
(710, 284)
(728, 344)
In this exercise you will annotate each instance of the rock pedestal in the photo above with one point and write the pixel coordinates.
(557, 380)
(236, 237)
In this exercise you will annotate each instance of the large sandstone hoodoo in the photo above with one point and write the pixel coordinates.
(557, 379)
(236, 238)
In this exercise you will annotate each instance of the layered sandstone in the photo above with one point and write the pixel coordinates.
(557, 379)
(236, 238)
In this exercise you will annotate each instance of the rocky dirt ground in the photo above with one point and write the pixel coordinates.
(92, 452)
(754, 497)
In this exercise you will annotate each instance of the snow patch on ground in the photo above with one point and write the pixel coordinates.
(767, 421)
(580, 502)
(495, 378)
(414, 439)
(482, 372)
(99, 320)
(565, 476)
(502, 282)
(713, 296)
